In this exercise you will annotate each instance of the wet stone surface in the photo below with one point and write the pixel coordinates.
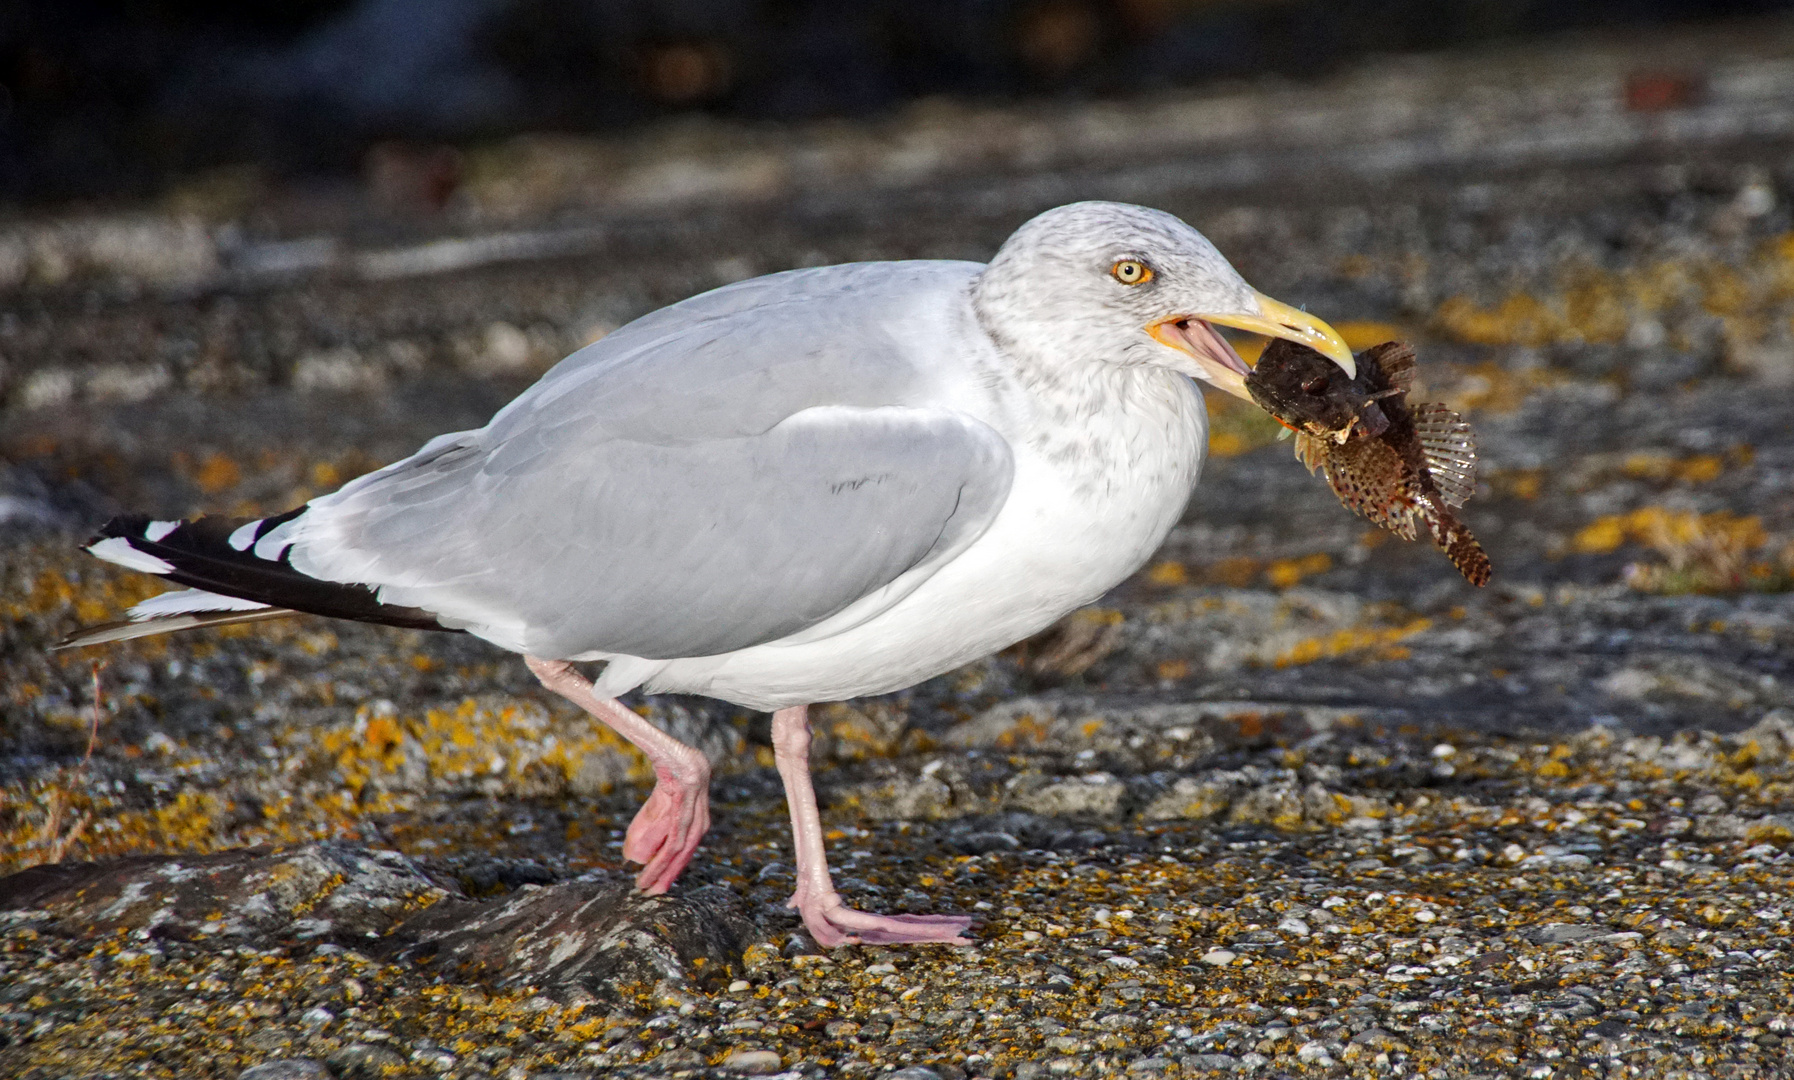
(1295, 801)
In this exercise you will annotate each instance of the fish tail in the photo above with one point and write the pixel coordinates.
(1455, 540)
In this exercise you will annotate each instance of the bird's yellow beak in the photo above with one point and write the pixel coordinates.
(1221, 366)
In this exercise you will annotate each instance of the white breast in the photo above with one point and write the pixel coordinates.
(1089, 505)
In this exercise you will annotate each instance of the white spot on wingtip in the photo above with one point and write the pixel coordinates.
(118, 550)
(243, 536)
(158, 529)
(271, 547)
(189, 601)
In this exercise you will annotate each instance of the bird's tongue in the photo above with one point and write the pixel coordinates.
(1206, 340)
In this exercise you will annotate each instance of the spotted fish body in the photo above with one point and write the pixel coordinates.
(1405, 468)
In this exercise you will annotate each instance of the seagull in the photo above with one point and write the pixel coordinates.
(803, 487)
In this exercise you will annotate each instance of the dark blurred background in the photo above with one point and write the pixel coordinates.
(114, 99)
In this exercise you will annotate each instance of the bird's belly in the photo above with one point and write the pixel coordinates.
(1059, 543)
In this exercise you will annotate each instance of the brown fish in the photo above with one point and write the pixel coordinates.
(1404, 468)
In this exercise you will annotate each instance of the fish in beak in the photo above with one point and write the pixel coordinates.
(1217, 361)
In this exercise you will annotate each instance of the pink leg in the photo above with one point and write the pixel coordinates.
(668, 827)
(830, 921)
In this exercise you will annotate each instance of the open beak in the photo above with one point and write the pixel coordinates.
(1221, 365)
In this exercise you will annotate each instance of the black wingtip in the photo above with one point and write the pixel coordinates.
(201, 554)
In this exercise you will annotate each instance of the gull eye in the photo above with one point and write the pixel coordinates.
(1131, 272)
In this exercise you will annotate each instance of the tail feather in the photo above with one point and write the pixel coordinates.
(126, 629)
(236, 570)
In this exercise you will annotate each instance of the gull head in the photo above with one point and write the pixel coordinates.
(1110, 282)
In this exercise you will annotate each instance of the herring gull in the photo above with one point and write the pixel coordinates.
(804, 487)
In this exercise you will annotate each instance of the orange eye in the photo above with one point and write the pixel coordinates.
(1131, 272)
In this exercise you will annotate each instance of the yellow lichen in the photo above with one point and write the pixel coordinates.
(1701, 552)
(1380, 642)
(1287, 573)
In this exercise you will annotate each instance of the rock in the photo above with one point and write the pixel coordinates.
(1290, 808)
(1772, 827)
(364, 1061)
(270, 1039)
(286, 1069)
(582, 937)
(853, 732)
(1098, 795)
(1207, 1062)
(1773, 736)
(905, 799)
(1565, 933)
(1157, 1064)
(1314, 1053)
(914, 1072)
(799, 944)
(1065, 721)
(1074, 644)
(1721, 827)
(1191, 798)
(317, 1017)
(753, 1062)
(1556, 860)
(1219, 957)
(1377, 1039)
(983, 843)
(318, 890)
(433, 1059)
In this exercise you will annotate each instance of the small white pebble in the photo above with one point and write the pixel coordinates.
(1444, 750)
(739, 985)
(1425, 915)
(1219, 957)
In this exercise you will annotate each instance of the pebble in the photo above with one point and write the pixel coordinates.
(1214, 1062)
(317, 1016)
(753, 1062)
(286, 1069)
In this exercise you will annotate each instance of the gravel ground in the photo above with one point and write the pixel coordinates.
(1294, 801)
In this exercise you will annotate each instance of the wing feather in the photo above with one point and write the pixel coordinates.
(723, 473)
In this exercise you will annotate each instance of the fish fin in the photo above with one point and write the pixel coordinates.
(1310, 451)
(1453, 538)
(1450, 449)
(1396, 358)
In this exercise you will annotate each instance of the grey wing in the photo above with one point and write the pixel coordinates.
(566, 545)
(739, 359)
